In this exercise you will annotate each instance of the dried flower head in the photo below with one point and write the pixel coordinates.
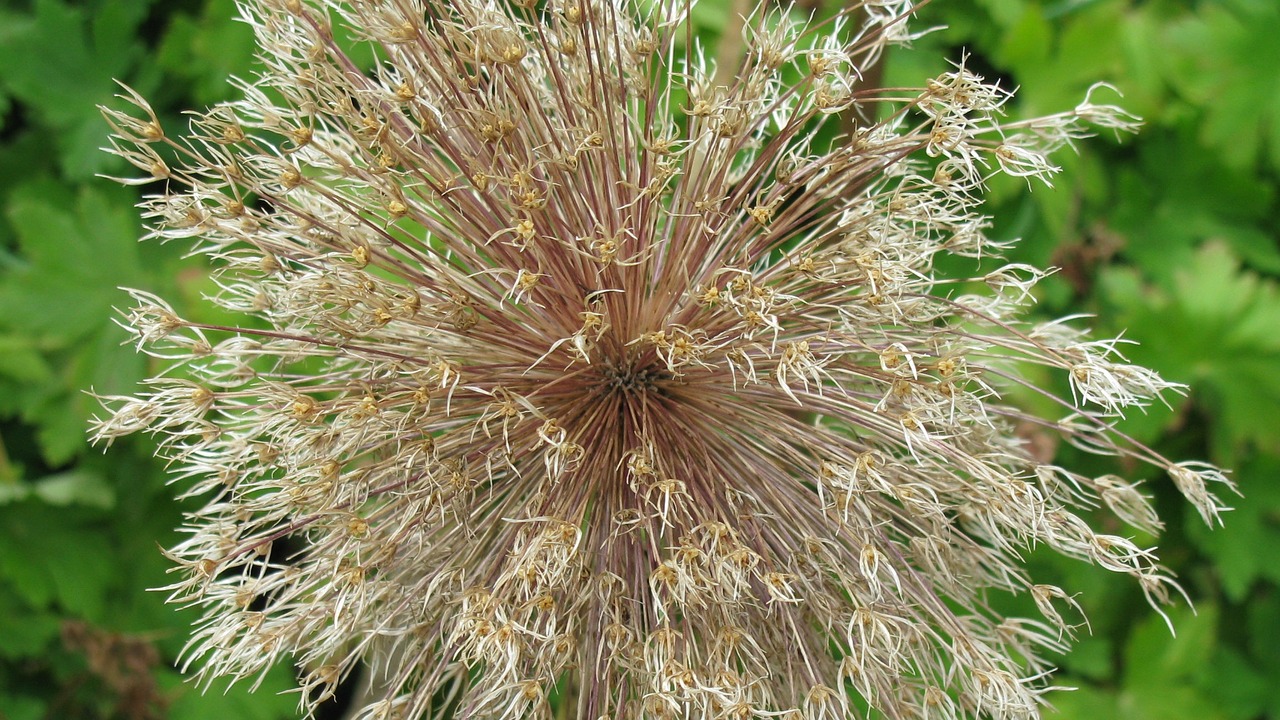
(579, 372)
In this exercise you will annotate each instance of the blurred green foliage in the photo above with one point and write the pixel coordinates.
(1169, 237)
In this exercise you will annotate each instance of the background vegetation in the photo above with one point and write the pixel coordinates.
(1170, 237)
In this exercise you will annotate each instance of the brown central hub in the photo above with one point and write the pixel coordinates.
(635, 380)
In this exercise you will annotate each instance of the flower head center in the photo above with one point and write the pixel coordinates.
(631, 380)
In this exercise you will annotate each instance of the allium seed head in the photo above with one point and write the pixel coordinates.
(578, 371)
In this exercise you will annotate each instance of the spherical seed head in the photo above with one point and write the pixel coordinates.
(585, 373)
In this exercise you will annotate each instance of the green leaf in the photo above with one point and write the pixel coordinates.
(1181, 195)
(1165, 674)
(1156, 659)
(271, 701)
(75, 487)
(103, 365)
(77, 249)
(1088, 50)
(1224, 59)
(79, 487)
(1244, 551)
(20, 360)
(1006, 12)
(1216, 332)
(1028, 41)
(1264, 628)
(1091, 658)
(24, 707)
(55, 562)
(206, 51)
(1168, 702)
(27, 631)
(60, 61)
(1143, 49)
(1263, 624)
(711, 16)
(1082, 703)
(19, 566)
(1236, 686)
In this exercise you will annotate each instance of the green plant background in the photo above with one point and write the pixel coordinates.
(1170, 237)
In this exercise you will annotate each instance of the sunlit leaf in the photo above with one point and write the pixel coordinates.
(77, 249)
(1224, 58)
(271, 700)
(1217, 332)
